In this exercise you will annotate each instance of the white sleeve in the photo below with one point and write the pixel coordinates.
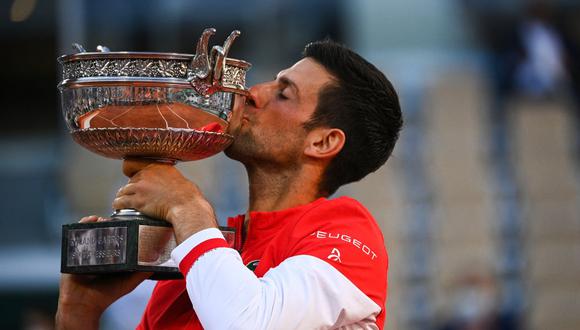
(303, 292)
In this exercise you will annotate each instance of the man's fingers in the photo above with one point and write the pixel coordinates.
(128, 189)
(93, 218)
(90, 218)
(121, 202)
(128, 202)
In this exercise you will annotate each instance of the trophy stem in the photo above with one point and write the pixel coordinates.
(132, 214)
(167, 161)
(123, 212)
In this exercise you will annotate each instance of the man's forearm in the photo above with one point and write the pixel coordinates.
(76, 317)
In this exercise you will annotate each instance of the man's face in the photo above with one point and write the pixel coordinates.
(269, 130)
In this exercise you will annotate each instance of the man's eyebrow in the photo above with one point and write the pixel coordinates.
(289, 82)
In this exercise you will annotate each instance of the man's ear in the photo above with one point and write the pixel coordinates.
(324, 142)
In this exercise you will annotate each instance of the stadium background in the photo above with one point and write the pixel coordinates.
(479, 204)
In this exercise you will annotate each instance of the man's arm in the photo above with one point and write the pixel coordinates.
(83, 298)
(303, 292)
(74, 315)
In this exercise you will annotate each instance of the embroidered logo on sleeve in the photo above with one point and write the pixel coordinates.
(335, 255)
(347, 239)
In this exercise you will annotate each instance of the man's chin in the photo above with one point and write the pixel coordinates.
(239, 150)
(232, 152)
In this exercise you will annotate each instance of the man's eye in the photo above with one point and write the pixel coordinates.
(281, 95)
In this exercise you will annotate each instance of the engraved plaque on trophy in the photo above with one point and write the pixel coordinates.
(165, 107)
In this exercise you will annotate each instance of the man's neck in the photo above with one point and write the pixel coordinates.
(274, 189)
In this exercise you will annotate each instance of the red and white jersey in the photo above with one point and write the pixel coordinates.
(318, 266)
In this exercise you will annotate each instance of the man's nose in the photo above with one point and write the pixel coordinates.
(259, 95)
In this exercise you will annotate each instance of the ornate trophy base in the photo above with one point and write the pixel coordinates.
(128, 243)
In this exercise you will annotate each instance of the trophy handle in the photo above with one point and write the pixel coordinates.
(204, 78)
(78, 47)
(103, 49)
(219, 54)
(200, 65)
(230, 40)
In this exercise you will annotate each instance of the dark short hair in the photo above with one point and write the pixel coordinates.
(361, 102)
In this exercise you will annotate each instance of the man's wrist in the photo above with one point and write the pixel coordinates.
(190, 219)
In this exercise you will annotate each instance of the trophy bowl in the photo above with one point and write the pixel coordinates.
(166, 107)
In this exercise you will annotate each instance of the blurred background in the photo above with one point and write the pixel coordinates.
(479, 205)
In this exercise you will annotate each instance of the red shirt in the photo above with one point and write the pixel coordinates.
(340, 232)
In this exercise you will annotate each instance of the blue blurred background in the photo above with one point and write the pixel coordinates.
(479, 204)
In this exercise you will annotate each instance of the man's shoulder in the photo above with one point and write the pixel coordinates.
(345, 200)
(344, 214)
(340, 226)
(337, 210)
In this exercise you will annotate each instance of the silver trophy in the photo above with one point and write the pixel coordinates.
(166, 107)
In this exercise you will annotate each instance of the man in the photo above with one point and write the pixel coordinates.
(305, 261)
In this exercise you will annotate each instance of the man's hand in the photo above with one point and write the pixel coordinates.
(83, 298)
(161, 191)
